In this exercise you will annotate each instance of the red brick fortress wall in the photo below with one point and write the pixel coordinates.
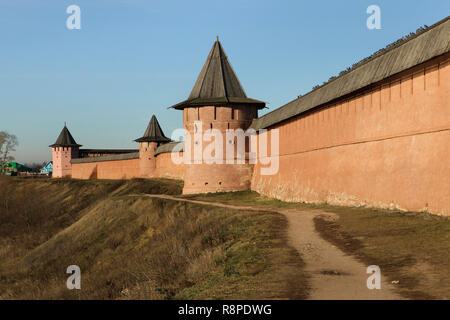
(386, 147)
(166, 168)
(116, 169)
(126, 168)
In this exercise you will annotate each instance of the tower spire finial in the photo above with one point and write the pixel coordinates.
(217, 38)
(65, 124)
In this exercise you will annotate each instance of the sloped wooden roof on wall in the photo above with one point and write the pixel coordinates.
(217, 83)
(65, 139)
(425, 46)
(112, 157)
(108, 151)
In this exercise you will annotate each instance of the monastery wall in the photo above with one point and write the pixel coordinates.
(86, 168)
(118, 169)
(387, 147)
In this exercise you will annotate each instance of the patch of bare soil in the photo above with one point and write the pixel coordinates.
(404, 272)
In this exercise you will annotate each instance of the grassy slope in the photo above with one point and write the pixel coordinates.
(132, 246)
(411, 248)
(244, 198)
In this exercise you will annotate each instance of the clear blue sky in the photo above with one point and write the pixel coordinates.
(135, 58)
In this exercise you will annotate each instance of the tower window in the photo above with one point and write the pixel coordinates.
(210, 125)
(232, 113)
(215, 113)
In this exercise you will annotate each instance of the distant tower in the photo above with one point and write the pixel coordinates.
(148, 144)
(219, 102)
(63, 151)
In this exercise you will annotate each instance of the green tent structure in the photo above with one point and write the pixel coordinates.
(15, 166)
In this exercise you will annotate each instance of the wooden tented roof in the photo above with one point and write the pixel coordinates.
(153, 133)
(217, 83)
(65, 139)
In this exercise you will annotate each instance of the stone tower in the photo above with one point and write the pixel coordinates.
(63, 151)
(148, 144)
(216, 102)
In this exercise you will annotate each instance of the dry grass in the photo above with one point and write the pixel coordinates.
(136, 247)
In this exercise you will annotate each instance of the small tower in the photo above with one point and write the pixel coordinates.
(63, 151)
(217, 101)
(148, 144)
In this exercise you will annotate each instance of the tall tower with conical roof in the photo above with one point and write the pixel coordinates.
(63, 151)
(148, 143)
(217, 102)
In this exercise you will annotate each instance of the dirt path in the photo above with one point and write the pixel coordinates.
(333, 274)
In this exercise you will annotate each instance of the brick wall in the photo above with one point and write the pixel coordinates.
(127, 169)
(386, 147)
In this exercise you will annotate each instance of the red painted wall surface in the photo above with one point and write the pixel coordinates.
(166, 168)
(128, 169)
(388, 147)
(120, 169)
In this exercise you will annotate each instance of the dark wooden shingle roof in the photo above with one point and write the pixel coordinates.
(217, 83)
(153, 133)
(170, 147)
(113, 157)
(65, 139)
(417, 49)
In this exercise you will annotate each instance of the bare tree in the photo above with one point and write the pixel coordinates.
(8, 144)
(35, 166)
